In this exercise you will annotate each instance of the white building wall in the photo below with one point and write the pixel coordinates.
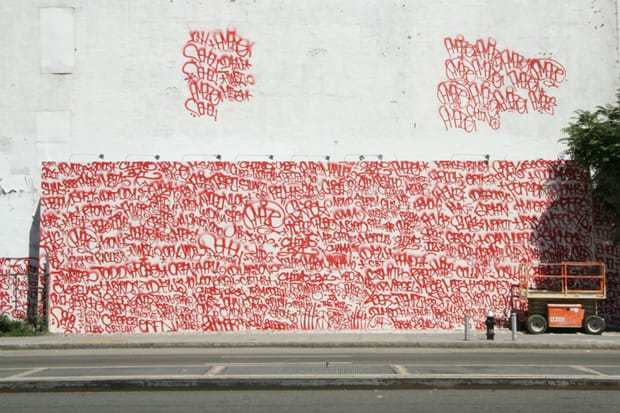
(332, 78)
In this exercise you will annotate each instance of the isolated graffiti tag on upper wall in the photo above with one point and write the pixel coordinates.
(484, 81)
(216, 70)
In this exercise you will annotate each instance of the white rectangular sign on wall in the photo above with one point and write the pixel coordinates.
(57, 40)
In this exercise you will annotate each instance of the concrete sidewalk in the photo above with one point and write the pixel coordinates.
(477, 339)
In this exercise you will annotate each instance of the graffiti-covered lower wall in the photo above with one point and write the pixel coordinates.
(22, 288)
(139, 247)
(14, 286)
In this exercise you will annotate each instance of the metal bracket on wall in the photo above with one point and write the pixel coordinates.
(200, 156)
(362, 156)
(310, 157)
(86, 155)
(142, 156)
(252, 156)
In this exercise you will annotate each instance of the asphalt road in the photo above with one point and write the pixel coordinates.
(305, 368)
(312, 401)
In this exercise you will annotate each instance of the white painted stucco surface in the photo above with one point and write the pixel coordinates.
(333, 77)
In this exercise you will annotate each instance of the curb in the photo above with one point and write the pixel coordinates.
(297, 383)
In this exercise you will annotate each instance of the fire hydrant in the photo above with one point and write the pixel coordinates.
(490, 325)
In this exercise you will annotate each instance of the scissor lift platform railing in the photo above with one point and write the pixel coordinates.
(563, 281)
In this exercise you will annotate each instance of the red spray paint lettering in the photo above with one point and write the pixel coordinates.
(484, 81)
(212, 246)
(216, 70)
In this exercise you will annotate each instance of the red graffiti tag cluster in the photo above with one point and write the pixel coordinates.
(216, 70)
(139, 247)
(484, 81)
(19, 286)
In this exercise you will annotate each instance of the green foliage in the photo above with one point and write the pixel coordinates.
(10, 327)
(594, 140)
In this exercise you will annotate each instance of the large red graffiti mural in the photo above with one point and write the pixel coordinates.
(484, 81)
(216, 70)
(139, 247)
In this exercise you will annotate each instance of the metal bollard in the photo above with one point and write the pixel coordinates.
(513, 325)
(466, 327)
(490, 322)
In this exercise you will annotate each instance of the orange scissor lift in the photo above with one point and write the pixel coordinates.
(563, 295)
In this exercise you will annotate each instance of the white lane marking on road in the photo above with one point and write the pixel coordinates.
(26, 373)
(215, 370)
(399, 369)
(588, 370)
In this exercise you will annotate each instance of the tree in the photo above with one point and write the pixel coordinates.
(594, 140)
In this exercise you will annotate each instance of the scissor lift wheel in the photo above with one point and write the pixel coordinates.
(536, 324)
(594, 324)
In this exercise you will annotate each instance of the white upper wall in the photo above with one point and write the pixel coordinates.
(332, 77)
